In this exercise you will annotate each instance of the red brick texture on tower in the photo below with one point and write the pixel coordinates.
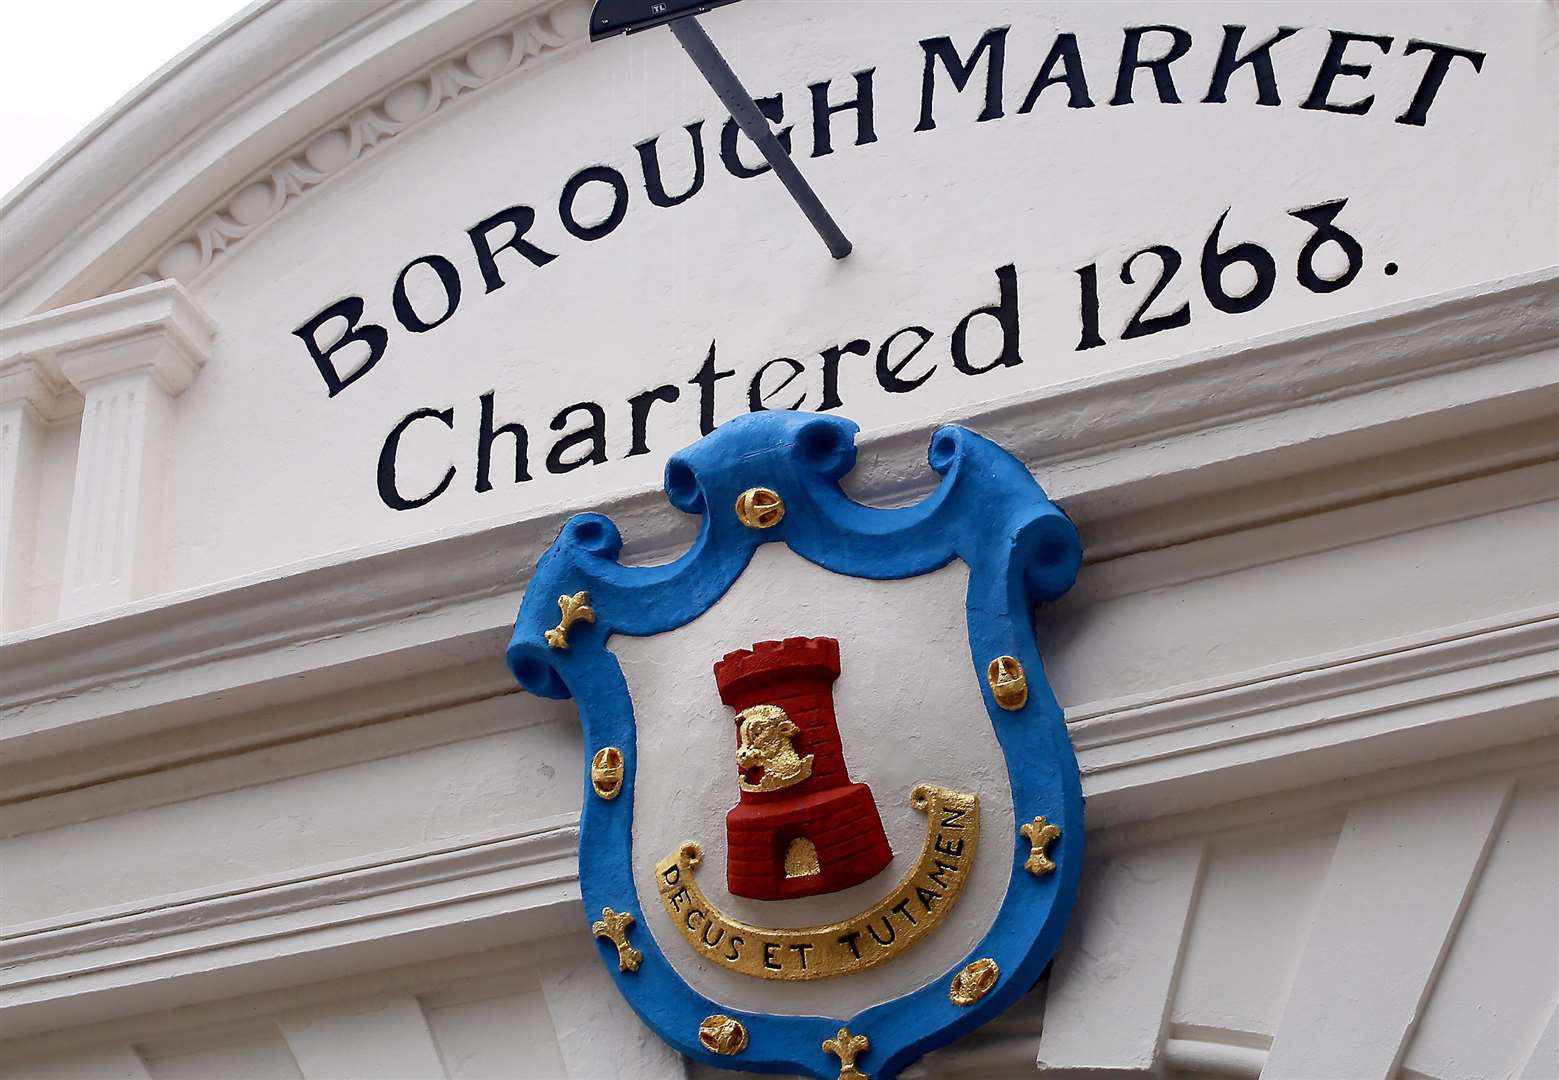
(821, 833)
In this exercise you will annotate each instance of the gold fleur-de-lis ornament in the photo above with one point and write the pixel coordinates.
(1040, 834)
(613, 925)
(847, 1047)
(575, 609)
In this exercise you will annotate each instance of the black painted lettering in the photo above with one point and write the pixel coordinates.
(831, 357)
(375, 337)
(719, 933)
(733, 947)
(1065, 54)
(850, 942)
(1215, 262)
(939, 875)
(992, 45)
(1088, 306)
(800, 949)
(593, 434)
(1132, 62)
(388, 491)
(448, 277)
(1323, 218)
(649, 161)
(769, 949)
(927, 896)
(887, 925)
(902, 908)
(520, 219)
(484, 446)
(890, 372)
(1333, 68)
(1259, 58)
(951, 848)
(639, 409)
(1005, 312)
(705, 381)
(595, 174)
(773, 110)
(1141, 323)
(822, 113)
(1434, 75)
(757, 396)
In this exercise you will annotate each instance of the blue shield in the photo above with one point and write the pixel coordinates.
(773, 478)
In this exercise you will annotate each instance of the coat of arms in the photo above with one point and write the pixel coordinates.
(832, 815)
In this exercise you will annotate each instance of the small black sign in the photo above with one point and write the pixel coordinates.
(612, 17)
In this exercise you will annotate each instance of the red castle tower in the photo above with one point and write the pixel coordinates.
(802, 827)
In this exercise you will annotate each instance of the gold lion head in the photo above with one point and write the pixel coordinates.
(766, 756)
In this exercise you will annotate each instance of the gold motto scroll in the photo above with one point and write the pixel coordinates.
(917, 904)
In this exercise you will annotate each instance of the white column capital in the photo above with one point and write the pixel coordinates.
(157, 329)
(167, 361)
(26, 384)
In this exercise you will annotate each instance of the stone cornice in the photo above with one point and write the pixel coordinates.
(1363, 407)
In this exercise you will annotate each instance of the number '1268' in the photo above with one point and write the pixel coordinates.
(1214, 262)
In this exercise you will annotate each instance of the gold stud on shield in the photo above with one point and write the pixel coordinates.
(606, 772)
(1009, 683)
(724, 1035)
(974, 981)
(760, 508)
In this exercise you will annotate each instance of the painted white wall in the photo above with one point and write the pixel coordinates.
(278, 811)
(933, 214)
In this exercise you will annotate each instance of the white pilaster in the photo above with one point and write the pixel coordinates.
(24, 395)
(598, 1035)
(1115, 973)
(1543, 1061)
(117, 500)
(118, 1062)
(129, 355)
(386, 1037)
(1395, 891)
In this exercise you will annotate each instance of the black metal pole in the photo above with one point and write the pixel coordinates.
(691, 36)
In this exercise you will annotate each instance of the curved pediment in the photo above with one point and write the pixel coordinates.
(464, 265)
(264, 108)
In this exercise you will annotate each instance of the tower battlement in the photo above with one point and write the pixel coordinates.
(746, 675)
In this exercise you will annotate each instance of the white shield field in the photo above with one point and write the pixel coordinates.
(910, 712)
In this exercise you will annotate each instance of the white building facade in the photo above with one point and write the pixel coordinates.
(310, 346)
